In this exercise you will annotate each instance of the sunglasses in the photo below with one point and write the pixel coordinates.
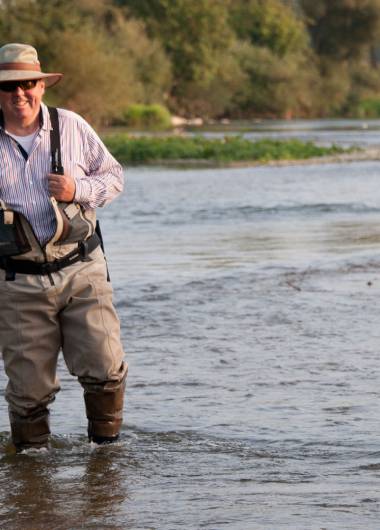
(10, 86)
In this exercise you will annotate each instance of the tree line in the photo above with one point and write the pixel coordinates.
(209, 58)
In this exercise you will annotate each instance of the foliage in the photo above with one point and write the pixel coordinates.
(217, 95)
(367, 108)
(191, 32)
(341, 29)
(98, 83)
(140, 116)
(275, 86)
(151, 68)
(214, 58)
(198, 40)
(129, 149)
(275, 56)
(270, 24)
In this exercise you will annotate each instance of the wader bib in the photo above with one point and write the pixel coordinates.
(77, 231)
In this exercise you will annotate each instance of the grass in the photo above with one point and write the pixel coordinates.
(146, 149)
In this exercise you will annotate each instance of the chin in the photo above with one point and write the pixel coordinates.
(23, 113)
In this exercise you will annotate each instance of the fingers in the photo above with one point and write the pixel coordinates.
(61, 187)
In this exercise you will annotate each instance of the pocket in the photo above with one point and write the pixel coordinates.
(13, 240)
(75, 225)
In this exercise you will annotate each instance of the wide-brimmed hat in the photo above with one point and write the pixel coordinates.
(19, 62)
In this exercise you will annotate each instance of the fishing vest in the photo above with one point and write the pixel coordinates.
(74, 224)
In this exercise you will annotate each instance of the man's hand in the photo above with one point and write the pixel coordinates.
(61, 187)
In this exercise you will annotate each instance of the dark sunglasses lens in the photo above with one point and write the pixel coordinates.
(10, 86)
(27, 85)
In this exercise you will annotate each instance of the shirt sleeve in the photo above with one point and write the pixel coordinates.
(104, 178)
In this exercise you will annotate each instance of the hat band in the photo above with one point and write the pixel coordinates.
(20, 66)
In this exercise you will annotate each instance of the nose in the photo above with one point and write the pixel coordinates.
(18, 90)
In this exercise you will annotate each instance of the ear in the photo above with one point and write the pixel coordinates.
(42, 85)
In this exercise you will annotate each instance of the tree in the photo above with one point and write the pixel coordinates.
(342, 29)
(108, 61)
(275, 54)
(269, 23)
(197, 38)
(277, 86)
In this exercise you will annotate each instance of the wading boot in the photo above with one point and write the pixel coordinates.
(104, 409)
(30, 431)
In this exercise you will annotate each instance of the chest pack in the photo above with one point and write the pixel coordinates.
(70, 216)
(74, 226)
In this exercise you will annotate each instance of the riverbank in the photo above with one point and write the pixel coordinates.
(352, 155)
(232, 150)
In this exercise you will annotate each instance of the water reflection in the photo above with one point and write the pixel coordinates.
(104, 487)
(28, 492)
(64, 488)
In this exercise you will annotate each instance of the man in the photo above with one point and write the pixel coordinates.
(54, 292)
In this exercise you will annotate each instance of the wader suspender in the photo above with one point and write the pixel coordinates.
(55, 143)
(56, 162)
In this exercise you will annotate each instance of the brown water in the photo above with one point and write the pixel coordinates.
(250, 304)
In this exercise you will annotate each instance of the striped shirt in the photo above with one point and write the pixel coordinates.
(24, 184)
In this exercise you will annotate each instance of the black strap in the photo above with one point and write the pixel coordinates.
(10, 275)
(22, 151)
(55, 143)
(32, 267)
(99, 232)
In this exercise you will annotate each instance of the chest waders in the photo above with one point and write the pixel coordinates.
(77, 231)
(103, 399)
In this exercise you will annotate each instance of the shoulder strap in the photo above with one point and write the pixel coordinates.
(55, 143)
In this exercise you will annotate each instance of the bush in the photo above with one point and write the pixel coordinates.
(368, 108)
(141, 116)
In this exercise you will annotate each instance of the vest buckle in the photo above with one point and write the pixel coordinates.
(84, 251)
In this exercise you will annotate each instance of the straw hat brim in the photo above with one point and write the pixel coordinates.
(24, 75)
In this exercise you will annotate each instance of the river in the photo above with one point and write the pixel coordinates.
(249, 301)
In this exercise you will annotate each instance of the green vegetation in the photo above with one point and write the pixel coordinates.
(207, 58)
(137, 150)
(141, 116)
(368, 108)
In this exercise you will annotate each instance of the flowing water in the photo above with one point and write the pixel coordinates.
(249, 302)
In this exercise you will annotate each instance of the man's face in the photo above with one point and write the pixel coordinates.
(21, 106)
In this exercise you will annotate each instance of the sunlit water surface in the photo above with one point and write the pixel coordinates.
(250, 308)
